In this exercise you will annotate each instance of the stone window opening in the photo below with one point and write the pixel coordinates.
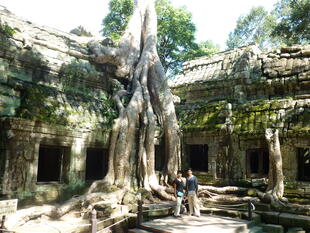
(257, 163)
(198, 157)
(96, 163)
(304, 164)
(52, 164)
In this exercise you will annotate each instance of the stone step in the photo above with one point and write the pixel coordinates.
(256, 219)
(243, 229)
(136, 230)
(255, 230)
(273, 228)
(206, 223)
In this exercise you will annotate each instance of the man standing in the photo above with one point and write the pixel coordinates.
(178, 193)
(192, 191)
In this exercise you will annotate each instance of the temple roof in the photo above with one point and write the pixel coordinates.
(217, 67)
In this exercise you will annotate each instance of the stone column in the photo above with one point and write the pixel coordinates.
(78, 160)
(212, 152)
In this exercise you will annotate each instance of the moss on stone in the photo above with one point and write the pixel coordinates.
(301, 122)
(76, 74)
(250, 117)
(49, 105)
(203, 117)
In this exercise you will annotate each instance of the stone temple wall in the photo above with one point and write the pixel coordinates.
(230, 98)
(52, 96)
(54, 100)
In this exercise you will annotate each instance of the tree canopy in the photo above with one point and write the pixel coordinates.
(288, 23)
(176, 32)
(293, 17)
(256, 27)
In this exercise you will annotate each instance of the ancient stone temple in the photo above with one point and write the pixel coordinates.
(55, 111)
(227, 102)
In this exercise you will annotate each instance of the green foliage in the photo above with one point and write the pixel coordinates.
(256, 27)
(115, 23)
(176, 35)
(176, 32)
(7, 30)
(205, 48)
(286, 24)
(293, 18)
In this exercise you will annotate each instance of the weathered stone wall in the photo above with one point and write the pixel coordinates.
(229, 99)
(52, 95)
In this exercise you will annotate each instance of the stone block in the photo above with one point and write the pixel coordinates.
(262, 207)
(6, 90)
(307, 190)
(270, 217)
(306, 52)
(242, 75)
(7, 111)
(272, 228)
(3, 78)
(292, 49)
(258, 182)
(296, 230)
(294, 220)
(10, 100)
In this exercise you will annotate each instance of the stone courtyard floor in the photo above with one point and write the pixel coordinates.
(48, 226)
(206, 223)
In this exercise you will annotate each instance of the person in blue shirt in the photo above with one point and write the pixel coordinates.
(192, 191)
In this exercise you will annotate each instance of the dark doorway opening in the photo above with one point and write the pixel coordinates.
(304, 164)
(159, 157)
(50, 164)
(257, 163)
(198, 157)
(96, 163)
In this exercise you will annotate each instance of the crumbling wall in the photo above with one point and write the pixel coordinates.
(236, 95)
(51, 94)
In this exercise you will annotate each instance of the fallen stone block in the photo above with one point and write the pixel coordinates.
(296, 230)
(272, 228)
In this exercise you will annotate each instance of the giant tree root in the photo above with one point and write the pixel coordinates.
(223, 190)
(83, 203)
(79, 203)
(231, 199)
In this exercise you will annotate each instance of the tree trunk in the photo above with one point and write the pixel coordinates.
(131, 153)
(275, 187)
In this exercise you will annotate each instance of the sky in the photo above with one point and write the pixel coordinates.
(214, 19)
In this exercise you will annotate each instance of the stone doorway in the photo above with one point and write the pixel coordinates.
(51, 164)
(257, 163)
(96, 163)
(198, 157)
(304, 164)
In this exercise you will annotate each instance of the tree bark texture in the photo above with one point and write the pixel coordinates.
(131, 153)
(275, 176)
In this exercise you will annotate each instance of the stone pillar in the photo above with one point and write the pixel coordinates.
(33, 169)
(212, 152)
(78, 160)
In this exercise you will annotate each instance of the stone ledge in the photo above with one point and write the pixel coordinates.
(272, 228)
(286, 219)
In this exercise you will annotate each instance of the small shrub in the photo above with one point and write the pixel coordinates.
(7, 30)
